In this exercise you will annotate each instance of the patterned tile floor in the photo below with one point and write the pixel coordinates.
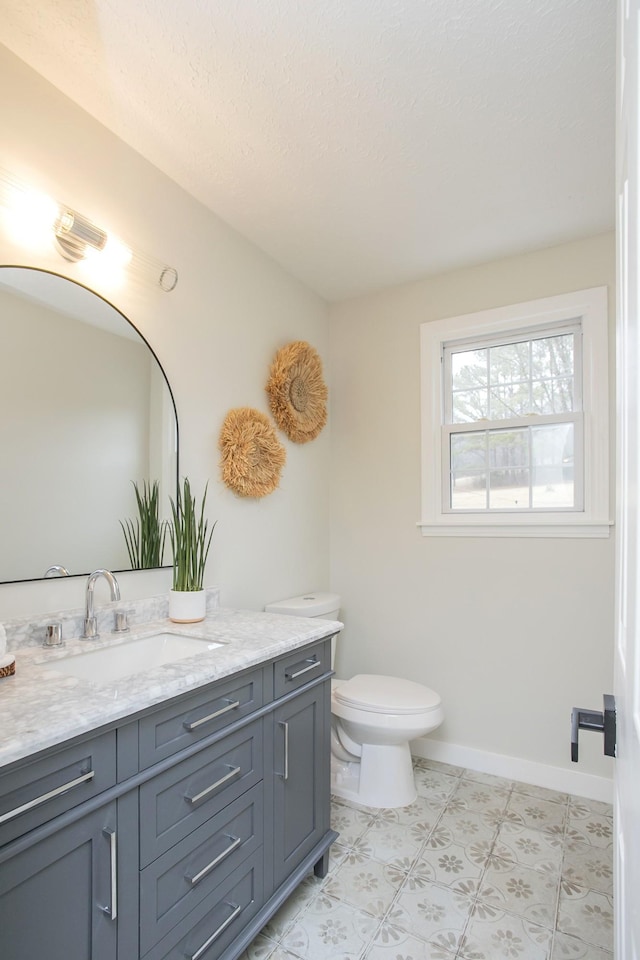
(477, 868)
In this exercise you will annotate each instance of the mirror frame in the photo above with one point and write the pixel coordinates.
(54, 273)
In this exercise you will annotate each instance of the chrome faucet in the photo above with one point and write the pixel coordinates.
(57, 571)
(90, 631)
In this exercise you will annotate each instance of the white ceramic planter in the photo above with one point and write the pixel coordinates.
(187, 606)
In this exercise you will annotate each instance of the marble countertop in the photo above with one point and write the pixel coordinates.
(40, 708)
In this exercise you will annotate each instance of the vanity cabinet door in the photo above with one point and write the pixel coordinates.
(58, 896)
(301, 778)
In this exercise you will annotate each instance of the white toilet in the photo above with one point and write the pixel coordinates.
(373, 719)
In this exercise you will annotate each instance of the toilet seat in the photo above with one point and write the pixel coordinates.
(386, 695)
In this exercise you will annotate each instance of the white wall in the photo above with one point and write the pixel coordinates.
(512, 633)
(215, 336)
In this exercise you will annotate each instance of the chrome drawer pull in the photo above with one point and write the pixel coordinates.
(233, 772)
(47, 796)
(112, 911)
(285, 726)
(214, 863)
(312, 666)
(231, 705)
(237, 909)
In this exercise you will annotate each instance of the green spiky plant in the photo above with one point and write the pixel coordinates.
(190, 539)
(145, 535)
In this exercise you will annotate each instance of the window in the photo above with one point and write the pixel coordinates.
(515, 420)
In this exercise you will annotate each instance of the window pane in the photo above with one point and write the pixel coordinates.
(509, 363)
(552, 466)
(553, 357)
(509, 489)
(509, 400)
(469, 369)
(553, 396)
(469, 405)
(469, 386)
(508, 449)
(469, 471)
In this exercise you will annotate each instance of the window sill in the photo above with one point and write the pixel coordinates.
(575, 530)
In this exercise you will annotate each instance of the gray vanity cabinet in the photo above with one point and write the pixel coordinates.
(301, 781)
(179, 831)
(57, 897)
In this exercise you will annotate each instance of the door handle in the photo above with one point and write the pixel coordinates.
(602, 721)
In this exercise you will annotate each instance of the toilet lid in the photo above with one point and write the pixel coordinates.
(387, 694)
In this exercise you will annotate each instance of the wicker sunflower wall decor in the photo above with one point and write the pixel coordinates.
(297, 392)
(252, 456)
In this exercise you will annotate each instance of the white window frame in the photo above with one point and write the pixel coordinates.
(592, 518)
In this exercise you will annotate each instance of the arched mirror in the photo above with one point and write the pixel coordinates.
(86, 412)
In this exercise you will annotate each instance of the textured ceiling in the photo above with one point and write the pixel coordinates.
(361, 143)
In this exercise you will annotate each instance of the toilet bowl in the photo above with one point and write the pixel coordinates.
(373, 720)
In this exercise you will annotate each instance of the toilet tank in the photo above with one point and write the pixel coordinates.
(325, 605)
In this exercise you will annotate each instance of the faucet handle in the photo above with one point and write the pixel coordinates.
(90, 631)
(53, 636)
(122, 623)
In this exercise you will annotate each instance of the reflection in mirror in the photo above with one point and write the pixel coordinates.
(86, 413)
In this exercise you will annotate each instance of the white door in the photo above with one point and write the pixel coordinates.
(627, 653)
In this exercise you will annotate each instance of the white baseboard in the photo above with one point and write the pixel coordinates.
(512, 768)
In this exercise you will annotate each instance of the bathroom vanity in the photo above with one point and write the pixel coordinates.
(182, 808)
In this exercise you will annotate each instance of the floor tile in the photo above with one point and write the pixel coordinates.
(596, 830)
(293, 905)
(328, 929)
(581, 809)
(453, 862)
(477, 868)
(396, 843)
(349, 823)
(520, 890)
(487, 778)
(588, 866)
(434, 785)
(434, 913)
(422, 811)
(491, 935)
(465, 827)
(532, 848)
(536, 813)
(479, 797)
(587, 915)
(570, 948)
(370, 886)
(424, 764)
(392, 942)
(542, 793)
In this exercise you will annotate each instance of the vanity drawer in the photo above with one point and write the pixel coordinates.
(209, 929)
(181, 799)
(164, 733)
(38, 791)
(301, 666)
(182, 877)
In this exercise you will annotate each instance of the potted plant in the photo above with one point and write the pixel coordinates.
(190, 541)
(145, 535)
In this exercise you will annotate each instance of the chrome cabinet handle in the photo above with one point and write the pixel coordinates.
(233, 772)
(47, 796)
(237, 909)
(236, 841)
(285, 726)
(112, 910)
(313, 664)
(231, 705)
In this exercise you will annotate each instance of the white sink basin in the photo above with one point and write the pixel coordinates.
(131, 657)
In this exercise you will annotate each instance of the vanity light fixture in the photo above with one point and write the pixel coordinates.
(33, 218)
